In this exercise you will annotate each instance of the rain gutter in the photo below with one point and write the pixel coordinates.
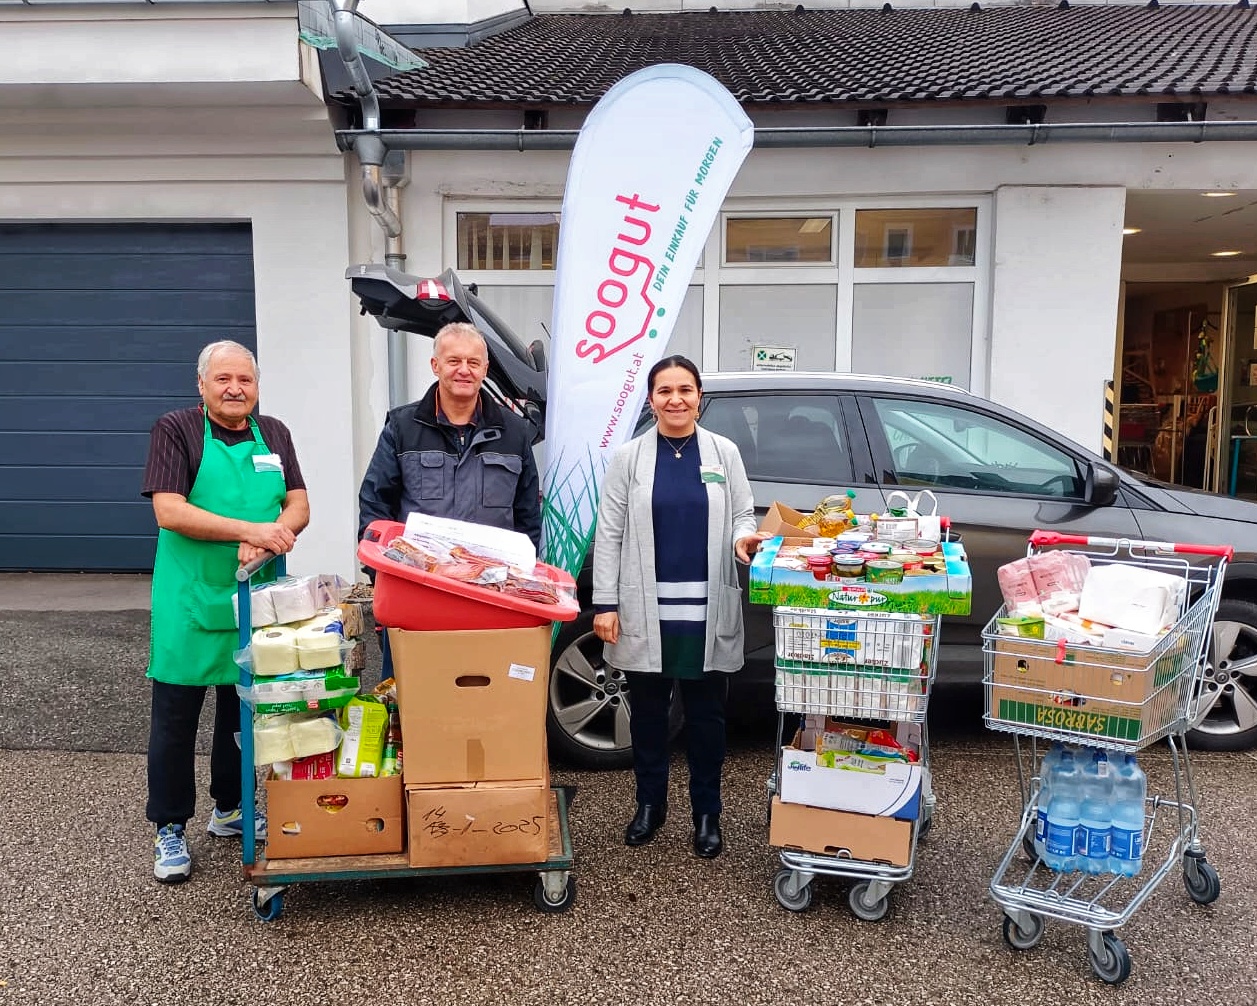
(829, 136)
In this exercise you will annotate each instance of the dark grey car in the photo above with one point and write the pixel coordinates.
(997, 475)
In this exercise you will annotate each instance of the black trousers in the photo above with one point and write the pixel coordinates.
(172, 730)
(703, 700)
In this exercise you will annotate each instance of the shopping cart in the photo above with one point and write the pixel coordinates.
(1113, 699)
(852, 666)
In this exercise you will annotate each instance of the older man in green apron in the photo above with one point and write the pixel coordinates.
(226, 488)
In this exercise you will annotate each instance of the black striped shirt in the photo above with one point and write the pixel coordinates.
(177, 443)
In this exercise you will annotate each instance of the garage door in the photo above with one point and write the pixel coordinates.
(100, 326)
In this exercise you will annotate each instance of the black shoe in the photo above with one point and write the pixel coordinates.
(648, 819)
(708, 842)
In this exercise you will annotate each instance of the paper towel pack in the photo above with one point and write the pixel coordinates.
(1131, 597)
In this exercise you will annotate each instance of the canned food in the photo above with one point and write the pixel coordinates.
(922, 546)
(883, 571)
(912, 563)
(877, 547)
(848, 566)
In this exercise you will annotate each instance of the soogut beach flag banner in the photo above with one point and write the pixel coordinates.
(649, 173)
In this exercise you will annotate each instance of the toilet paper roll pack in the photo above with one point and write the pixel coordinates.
(274, 651)
(261, 607)
(317, 648)
(294, 598)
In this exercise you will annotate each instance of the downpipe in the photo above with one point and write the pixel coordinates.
(380, 187)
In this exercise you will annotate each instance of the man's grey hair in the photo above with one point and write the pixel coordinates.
(459, 330)
(223, 346)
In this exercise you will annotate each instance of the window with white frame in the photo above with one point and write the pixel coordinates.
(761, 240)
(915, 237)
(510, 241)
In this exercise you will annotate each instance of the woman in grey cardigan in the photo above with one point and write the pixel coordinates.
(676, 508)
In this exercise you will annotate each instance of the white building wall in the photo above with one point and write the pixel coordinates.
(1056, 239)
(1054, 305)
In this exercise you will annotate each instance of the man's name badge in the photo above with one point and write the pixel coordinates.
(268, 463)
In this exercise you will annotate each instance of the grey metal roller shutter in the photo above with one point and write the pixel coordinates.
(100, 326)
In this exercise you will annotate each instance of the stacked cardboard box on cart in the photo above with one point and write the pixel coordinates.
(473, 715)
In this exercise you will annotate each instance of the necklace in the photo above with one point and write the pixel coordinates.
(676, 451)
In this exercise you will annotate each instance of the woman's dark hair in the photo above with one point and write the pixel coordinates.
(676, 360)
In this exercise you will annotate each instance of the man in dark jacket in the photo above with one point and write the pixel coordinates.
(454, 453)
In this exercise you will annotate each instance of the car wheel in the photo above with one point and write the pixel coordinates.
(588, 716)
(1228, 701)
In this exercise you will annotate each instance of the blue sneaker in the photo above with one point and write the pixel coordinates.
(230, 824)
(172, 863)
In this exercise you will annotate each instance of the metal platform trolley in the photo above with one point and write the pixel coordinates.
(1119, 700)
(555, 890)
(852, 665)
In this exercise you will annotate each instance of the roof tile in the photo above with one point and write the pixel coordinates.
(854, 55)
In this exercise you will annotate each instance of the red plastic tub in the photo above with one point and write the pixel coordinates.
(410, 598)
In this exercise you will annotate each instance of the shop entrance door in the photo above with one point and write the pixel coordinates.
(1236, 451)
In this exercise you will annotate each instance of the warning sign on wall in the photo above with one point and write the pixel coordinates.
(773, 357)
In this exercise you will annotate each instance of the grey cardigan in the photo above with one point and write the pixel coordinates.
(624, 553)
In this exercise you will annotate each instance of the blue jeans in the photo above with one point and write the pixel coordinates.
(703, 700)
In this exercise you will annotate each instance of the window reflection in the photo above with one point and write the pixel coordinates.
(915, 237)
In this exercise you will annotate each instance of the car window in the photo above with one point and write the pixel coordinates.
(948, 447)
(785, 437)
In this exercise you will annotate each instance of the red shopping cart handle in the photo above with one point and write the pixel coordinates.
(1038, 539)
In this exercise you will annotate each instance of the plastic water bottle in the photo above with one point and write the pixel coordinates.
(1047, 774)
(1095, 819)
(1130, 787)
(1064, 812)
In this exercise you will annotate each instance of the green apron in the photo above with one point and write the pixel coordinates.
(193, 632)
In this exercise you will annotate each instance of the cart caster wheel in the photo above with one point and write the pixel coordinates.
(1027, 846)
(788, 897)
(864, 909)
(270, 909)
(543, 902)
(1201, 881)
(1113, 965)
(924, 829)
(1023, 939)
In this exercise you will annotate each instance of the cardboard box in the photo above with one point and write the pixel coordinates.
(334, 817)
(777, 577)
(356, 659)
(478, 824)
(351, 618)
(472, 704)
(782, 520)
(894, 792)
(1088, 690)
(839, 833)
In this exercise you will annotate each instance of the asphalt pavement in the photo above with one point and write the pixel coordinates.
(81, 919)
